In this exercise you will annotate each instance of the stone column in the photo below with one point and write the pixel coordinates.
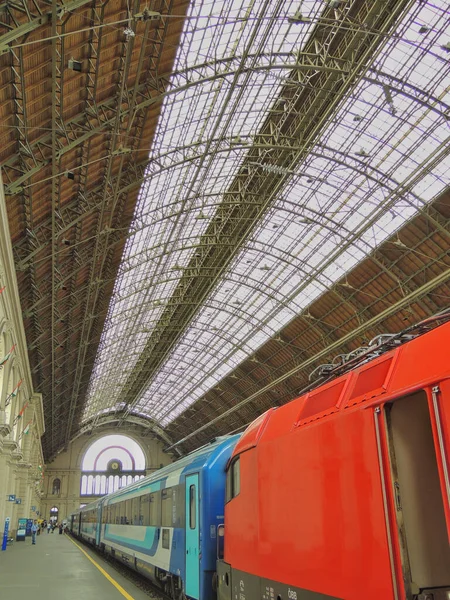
(4, 473)
(8, 478)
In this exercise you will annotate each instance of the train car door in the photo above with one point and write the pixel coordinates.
(99, 525)
(192, 583)
(419, 503)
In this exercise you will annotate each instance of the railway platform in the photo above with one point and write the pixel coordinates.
(57, 568)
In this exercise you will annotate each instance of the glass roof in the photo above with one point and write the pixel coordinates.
(378, 161)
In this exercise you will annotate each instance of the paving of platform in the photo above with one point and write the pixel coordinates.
(56, 569)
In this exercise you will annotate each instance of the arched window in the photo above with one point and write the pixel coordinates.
(54, 514)
(56, 490)
(111, 463)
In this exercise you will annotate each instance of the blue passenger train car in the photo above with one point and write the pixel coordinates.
(87, 525)
(165, 525)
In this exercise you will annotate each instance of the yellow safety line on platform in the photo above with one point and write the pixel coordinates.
(108, 577)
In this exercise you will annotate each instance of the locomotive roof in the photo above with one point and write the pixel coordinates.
(377, 374)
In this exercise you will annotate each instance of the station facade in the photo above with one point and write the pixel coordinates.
(21, 410)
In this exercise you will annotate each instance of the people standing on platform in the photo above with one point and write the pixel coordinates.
(34, 529)
(49, 526)
(60, 528)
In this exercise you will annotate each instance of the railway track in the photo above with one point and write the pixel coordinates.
(130, 575)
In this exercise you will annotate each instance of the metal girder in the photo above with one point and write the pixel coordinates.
(329, 349)
(347, 293)
(57, 132)
(35, 21)
(114, 194)
(25, 159)
(102, 115)
(94, 45)
(73, 213)
(104, 206)
(306, 109)
(100, 254)
(145, 423)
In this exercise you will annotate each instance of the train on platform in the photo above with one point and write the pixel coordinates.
(341, 494)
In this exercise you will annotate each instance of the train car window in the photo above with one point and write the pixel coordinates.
(135, 511)
(228, 486)
(166, 538)
(192, 508)
(144, 516)
(155, 509)
(128, 513)
(179, 506)
(233, 481)
(122, 511)
(236, 468)
(166, 507)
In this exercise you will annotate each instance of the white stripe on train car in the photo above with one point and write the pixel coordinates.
(160, 559)
(131, 532)
(173, 478)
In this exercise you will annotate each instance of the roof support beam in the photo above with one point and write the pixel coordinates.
(309, 103)
(79, 130)
(330, 349)
(24, 29)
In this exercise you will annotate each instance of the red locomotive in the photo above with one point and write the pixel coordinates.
(344, 492)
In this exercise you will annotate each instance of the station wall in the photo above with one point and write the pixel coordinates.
(67, 468)
(21, 410)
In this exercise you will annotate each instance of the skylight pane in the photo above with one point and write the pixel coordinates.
(205, 129)
(380, 159)
(353, 197)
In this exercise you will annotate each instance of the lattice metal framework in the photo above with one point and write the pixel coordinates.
(249, 215)
(286, 144)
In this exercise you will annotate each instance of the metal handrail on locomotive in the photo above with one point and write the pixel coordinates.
(343, 493)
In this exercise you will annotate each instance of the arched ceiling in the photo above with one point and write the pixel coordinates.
(207, 199)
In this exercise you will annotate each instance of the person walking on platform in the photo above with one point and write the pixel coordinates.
(49, 526)
(34, 529)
